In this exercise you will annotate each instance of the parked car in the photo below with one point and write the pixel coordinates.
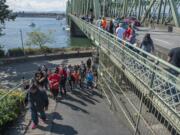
(133, 20)
(119, 20)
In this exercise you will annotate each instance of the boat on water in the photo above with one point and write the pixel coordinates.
(66, 28)
(32, 25)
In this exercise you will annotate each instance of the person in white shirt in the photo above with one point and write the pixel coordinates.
(120, 31)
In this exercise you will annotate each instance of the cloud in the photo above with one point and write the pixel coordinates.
(37, 5)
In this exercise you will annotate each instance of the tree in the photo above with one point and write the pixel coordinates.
(39, 39)
(5, 14)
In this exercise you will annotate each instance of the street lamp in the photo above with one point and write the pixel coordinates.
(104, 5)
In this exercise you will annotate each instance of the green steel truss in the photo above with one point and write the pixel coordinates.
(149, 75)
(160, 11)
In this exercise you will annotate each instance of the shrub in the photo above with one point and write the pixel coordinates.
(10, 107)
(32, 51)
(2, 52)
(15, 52)
(46, 49)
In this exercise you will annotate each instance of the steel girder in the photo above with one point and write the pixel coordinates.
(144, 10)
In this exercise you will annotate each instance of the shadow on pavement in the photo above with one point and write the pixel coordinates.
(55, 116)
(59, 129)
(86, 96)
(73, 107)
(63, 129)
(71, 98)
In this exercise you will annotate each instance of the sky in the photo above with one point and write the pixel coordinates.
(37, 5)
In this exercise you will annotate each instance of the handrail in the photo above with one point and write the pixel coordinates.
(10, 91)
(128, 44)
(151, 71)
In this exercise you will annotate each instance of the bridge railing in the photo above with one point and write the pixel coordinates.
(159, 77)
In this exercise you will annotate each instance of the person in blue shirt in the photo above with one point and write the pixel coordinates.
(120, 31)
(89, 78)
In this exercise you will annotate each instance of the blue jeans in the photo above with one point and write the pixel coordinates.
(34, 115)
(173, 91)
(89, 84)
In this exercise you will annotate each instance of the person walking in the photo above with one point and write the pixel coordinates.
(111, 27)
(62, 85)
(82, 73)
(89, 79)
(128, 32)
(174, 59)
(120, 32)
(104, 23)
(70, 77)
(54, 79)
(39, 79)
(98, 23)
(132, 37)
(147, 44)
(37, 104)
(89, 62)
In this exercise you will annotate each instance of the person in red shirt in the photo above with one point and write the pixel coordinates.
(128, 32)
(104, 23)
(54, 79)
(76, 76)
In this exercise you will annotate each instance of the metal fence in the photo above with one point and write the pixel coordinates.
(144, 87)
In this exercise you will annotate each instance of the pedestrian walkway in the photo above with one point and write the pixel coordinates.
(81, 112)
(84, 112)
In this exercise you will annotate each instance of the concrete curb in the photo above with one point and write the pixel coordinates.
(72, 54)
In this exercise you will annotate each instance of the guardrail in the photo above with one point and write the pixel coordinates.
(151, 75)
(10, 91)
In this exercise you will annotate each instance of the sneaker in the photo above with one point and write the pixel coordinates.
(43, 121)
(33, 126)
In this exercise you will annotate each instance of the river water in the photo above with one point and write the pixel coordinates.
(61, 38)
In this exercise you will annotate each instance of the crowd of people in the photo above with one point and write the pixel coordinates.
(83, 76)
(127, 32)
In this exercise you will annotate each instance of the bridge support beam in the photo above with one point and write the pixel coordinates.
(75, 31)
(174, 13)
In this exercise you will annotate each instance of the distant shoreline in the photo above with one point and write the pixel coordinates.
(41, 15)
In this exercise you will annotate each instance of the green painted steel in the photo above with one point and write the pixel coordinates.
(149, 74)
(142, 9)
(174, 13)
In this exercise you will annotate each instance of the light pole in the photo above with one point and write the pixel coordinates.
(22, 41)
(104, 5)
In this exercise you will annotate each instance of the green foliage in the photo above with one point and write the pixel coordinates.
(5, 13)
(15, 52)
(10, 107)
(39, 39)
(2, 53)
(45, 49)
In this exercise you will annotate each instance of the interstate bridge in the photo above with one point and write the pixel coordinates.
(135, 94)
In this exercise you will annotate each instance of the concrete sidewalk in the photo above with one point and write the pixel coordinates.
(84, 112)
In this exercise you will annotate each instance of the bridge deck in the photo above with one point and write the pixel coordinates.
(163, 40)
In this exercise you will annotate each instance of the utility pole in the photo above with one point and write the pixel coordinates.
(22, 41)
